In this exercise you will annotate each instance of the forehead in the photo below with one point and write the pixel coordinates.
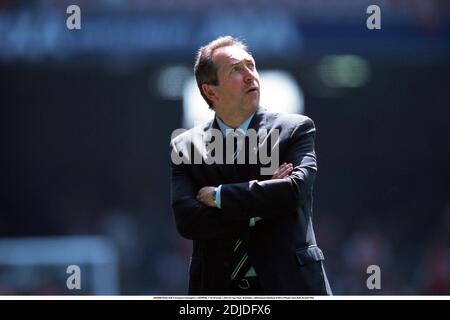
(225, 56)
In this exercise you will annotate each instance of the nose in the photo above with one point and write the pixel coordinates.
(250, 75)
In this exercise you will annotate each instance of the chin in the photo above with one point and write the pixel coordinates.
(254, 105)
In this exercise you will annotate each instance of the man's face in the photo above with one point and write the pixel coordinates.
(238, 88)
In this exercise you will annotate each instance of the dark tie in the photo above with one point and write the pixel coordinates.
(241, 264)
(238, 142)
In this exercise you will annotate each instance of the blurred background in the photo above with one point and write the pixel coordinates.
(86, 118)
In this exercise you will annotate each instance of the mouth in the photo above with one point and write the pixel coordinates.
(254, 89)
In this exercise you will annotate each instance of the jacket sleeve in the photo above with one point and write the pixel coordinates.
(276, 197)
(193, 219)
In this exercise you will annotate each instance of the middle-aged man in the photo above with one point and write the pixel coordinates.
(252, 233)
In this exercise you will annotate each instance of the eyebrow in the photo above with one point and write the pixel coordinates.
(239, 61)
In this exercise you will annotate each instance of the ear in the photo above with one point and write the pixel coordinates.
(210, 92)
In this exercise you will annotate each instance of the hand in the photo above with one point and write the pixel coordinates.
(283, 171)
(205, 196)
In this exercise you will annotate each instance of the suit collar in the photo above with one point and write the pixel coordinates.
(258, 121)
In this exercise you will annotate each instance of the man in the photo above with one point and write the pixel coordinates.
(252, 233)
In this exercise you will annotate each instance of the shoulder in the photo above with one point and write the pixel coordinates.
(186, 136)
(290, 121)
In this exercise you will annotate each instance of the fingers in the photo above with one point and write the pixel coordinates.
(286, 171)
(200, 194)
(283, 171)
(204, 195)
(201, 198)
(277, 172)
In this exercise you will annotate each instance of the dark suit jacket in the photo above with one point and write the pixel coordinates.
(282, 246)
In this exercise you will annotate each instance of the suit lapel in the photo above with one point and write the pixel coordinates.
(227, 173)
(258, 123)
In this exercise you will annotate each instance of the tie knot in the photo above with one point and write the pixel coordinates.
(235, 133)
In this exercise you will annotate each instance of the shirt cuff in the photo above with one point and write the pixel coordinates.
(254, 220)
(217, 200)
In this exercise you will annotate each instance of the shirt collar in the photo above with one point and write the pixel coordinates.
(242, 128)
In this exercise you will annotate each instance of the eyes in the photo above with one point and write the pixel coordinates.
(240, 67)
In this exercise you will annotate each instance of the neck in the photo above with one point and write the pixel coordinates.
(234, 120)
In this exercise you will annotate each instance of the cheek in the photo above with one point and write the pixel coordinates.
(234, 90)
(236, 81)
